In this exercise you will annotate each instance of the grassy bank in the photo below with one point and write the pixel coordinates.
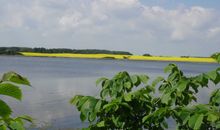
(110, 56)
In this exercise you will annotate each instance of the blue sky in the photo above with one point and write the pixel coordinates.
(158, 27)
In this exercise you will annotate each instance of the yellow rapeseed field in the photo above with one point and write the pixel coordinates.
(110, 56)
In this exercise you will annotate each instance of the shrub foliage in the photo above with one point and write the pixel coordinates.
(10, 86)
(132, 102)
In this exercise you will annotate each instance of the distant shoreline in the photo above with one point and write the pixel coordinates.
(120, 57)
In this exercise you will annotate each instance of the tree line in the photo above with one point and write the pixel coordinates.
(16, 50)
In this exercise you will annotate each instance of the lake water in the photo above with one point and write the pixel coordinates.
(56, 80)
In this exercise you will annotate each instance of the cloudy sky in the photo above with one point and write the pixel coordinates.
(158, 27)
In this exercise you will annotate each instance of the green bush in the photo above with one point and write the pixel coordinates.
(131, 102)
(9, 86)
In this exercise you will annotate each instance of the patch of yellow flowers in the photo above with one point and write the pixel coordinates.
(129, 57)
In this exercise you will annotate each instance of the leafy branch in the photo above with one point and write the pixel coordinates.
(131, 102)
(10, 86)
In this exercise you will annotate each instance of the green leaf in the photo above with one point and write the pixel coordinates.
(169, 68)
(214, 76)
(82, 116)
(119, 88)
(150, 89)
(82, 102)
(135, 80)
(126, 105)
(202, 108)
(163, 87)
(212, 117)
(15, 125)
(217, 125)
(157, 80)
(26, 118)
(127, 97)
(98, 106)
(113, 93)
(101, 124)
(173, 76)
(15, 78)
(146, 118)
(92, 116)
(182, 85)
(165, 125)
(166, 98)
(75, 99)
(5, 110)
(19, 120)
(104, 93)
(184, 116)
(3, 127)
(202, 79)
(10, 90)
(195, 121)
(115, 120)
(144, 78)
(110, 106)
(106, 84)
(89, 105)
(100, 80)
(215, 97)
(128, 85)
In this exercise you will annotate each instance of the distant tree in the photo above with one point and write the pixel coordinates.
(16, 50)
(146, 54)
(185, 56)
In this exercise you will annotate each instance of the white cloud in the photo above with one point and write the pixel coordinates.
(190, 22)
(124, 24)
(11, 19)
(180, 23)
(119, 3)
(214, 32)
(71, 20)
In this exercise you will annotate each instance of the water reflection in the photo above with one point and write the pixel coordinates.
(56, 80)
(48, 100)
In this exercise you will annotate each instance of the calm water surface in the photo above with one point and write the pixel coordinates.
(56, 80)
